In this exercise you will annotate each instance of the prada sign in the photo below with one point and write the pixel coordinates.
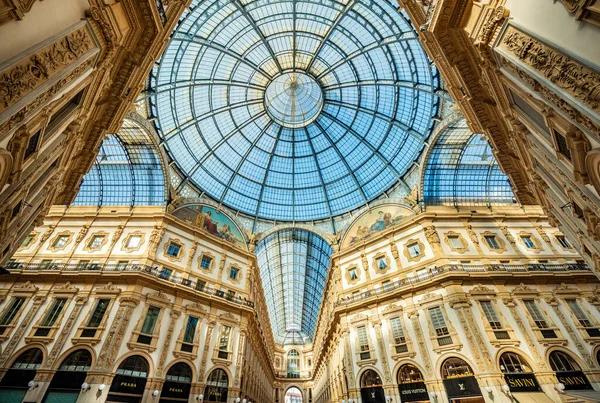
(128, 384)
(413, 392)
(522, 382)
(574, 380)
(176, 390)
(466, 386)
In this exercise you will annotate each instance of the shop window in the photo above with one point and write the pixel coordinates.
(363, 343)
(50, 318)
(147, 330)
(14, 383)
(189, 335)
(217, 386)
(10, 312)
(492, 241)
(411, 383)
(439, 326)
(178, 382)
(96, 318)
(224, 336)
(130, 380)
(568, 372)
(371, 387)
(518, 374)
(460, 382)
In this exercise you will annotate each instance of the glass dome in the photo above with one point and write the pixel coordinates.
(293, 110)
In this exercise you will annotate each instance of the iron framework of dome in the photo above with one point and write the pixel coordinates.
(293, 110)
(461, 170)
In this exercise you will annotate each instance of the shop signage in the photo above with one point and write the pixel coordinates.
(574, 380)
(372, 395)
(413, 392)
(176, 390)
(128, 384)
(522, 382)
(465, 386)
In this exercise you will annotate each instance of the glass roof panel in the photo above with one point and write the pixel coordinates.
(127, 172)
(293, 265)
(294, 110)
(462, 170)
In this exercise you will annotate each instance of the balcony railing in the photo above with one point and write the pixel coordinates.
(465, 268)
(119, 268)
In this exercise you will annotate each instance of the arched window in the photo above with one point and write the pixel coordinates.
(13, 386)
(456, 368)
(411, 384)
(130, 380)
(518, 374)
(561, 362)
(568, 372)
(371, 387)
(293, 364)
(459, 381)
(216, 386)
(177, 385)
(409, 373)
(293, 395)
(66, 382)
(370, 379)
(512, 363)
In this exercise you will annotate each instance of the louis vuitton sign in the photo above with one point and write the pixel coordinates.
(413, 392)
(466, 386)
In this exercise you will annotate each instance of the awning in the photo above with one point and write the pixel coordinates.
(532, 397)
(585, 396)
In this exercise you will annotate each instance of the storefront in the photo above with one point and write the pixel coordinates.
(177, 384)
(371, 387)
(460, 382)
(14, 384)
(66, 382)
(411, 385)
(130, 381)
(216, 386)
(521, 380)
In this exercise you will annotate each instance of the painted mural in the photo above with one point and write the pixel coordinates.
(374, 221)
(211, 221)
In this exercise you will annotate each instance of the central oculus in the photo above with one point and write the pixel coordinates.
(293, 99)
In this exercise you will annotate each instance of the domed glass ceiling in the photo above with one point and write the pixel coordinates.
(293, 110)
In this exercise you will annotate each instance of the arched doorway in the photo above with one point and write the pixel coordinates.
(568, 372)
(293, 395)
(293, 364)
(177, 384)
(130, 381)
(66, 382)
(14, 384)
(459, 382)
(411, 384)
(371, 387)
(216, 386)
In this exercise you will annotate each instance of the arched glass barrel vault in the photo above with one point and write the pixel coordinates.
(293, 110)
(293, 266)
(127, 172)
(461, 170)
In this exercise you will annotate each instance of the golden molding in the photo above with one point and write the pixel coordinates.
(30, 73)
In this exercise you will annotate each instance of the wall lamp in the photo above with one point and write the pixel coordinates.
(32, 384)
(489, 390)
(388, 398)
(506, 391)
(433, 395)
(155, 393)
(101, 387)
(85, 387)
(200, 398)
(560, 388)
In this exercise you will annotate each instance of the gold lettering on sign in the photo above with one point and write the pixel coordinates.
(129, 384)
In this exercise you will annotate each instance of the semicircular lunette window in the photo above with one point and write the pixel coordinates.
(294, 110)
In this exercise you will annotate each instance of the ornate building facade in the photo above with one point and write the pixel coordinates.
(292, 201)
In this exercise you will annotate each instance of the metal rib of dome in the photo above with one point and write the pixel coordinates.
(338, 138)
